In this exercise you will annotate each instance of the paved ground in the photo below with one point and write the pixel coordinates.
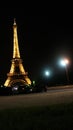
(54, 95)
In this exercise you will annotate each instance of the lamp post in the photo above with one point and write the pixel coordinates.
(47, 75)
(65, 63)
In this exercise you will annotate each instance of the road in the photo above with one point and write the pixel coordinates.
(54, 95)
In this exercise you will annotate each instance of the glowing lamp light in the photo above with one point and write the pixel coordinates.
(47, 73)
(64, 62)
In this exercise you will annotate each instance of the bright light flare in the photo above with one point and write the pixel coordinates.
(64, 62)
(47, 73)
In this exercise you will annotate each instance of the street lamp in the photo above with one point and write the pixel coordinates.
(64, 62)
(47, 73)
(46, 76)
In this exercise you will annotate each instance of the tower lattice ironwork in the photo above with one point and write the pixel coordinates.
(17, 74)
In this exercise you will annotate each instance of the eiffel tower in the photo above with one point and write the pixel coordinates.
(17, 74)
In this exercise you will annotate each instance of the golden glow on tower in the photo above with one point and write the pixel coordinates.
(17, 72)
(16, 53)
(17, 65)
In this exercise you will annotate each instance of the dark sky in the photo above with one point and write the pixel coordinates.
(43, 40)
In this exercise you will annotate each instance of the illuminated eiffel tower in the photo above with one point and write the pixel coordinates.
(17, 74)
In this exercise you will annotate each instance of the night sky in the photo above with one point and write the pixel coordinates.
(43, 40)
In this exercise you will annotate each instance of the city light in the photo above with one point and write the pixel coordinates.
(65, 62)
(47, 73)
